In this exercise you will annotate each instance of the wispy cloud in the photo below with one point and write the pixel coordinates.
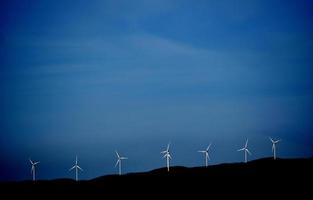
(143, 59)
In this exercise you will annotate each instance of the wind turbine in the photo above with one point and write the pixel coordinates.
(274, 142)
(246, 150)
(167, 155)
(33, 170)
(76, 167)
(206, 154)
(119, 162)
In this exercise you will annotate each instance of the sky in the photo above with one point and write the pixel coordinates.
(87, 78)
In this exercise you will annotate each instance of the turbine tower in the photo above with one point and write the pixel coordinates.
(246, 150)
(119, 162)
(274, 142)
(33, 169)
(167, 155)
(206, 154)
(76, 167)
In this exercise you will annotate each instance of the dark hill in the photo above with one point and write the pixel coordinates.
(261, 177)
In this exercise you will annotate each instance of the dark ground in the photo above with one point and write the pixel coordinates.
(259, 179)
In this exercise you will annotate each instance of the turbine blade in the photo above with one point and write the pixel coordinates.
(170, 157)
(207, 149)
(80, 168)
(123, 158)
(31, 161)
(241, 149)
(246, 143)
(271, 139)
(207, 155)
(248, 151)
(168, 146)
(117, 162)
(72, 168)
(117, 154)
(36, 163)
(201, 151)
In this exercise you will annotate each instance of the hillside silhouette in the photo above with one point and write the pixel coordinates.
(259, 177)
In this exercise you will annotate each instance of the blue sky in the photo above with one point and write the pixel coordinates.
(89, 77)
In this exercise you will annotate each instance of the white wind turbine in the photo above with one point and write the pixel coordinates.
(167, 155)
(76, 167)
(33, 170)
(246, 150)
(119, 162)
(274, 142)
(206, 154)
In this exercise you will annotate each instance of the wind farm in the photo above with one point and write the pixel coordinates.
(223, 180)
(180, 179)
(119, 97)
(165, 155)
